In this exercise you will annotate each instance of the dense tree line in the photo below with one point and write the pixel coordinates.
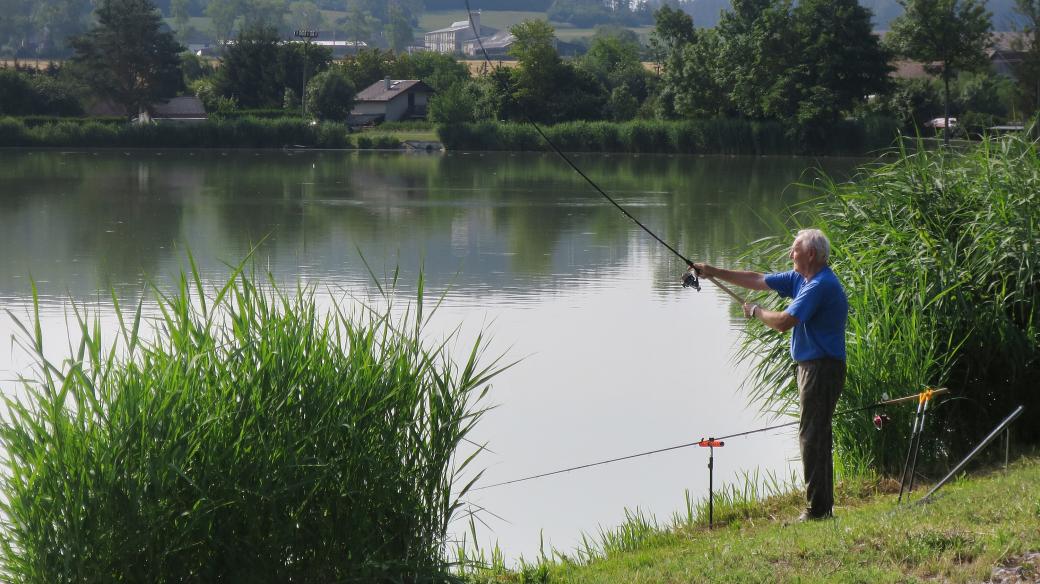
(806, 66)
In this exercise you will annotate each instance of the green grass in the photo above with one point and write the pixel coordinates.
(255, 438)
(972, 525)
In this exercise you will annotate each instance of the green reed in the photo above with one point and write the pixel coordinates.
(707, 136)
(255, 438)
(938, 251)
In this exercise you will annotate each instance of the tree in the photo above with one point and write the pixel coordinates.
(222, 15)
(947, 35)
(455, 105)
(248, 71)
(127, 57)
(757, 46)
(56, 22)
(1027, 70)
(330, 95)
(398, 28)
(673, 29)
(437, 70)
(358, 24)
(305, 15)
(839, 62)
(613, 60)
(539, 68)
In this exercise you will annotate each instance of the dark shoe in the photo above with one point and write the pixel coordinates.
(808, 515)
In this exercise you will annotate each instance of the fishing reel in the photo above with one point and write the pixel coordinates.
(690, 280)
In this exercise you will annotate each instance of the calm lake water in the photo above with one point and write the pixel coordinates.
(616, 357)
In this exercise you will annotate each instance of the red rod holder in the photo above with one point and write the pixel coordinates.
(711, 443)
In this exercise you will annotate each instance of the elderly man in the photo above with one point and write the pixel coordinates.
(818, 314)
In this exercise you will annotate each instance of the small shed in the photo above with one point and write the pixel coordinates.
(393, 99)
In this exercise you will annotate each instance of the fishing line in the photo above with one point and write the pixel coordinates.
(696, 442)
(690, 278)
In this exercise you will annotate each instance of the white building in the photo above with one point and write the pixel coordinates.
(450, 40)
(390, 100)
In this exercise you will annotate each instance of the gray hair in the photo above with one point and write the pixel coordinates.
(818, 242)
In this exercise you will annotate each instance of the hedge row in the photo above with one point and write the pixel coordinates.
(214, 133)
(712, 136)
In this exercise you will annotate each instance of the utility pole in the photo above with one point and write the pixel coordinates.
(306, 35)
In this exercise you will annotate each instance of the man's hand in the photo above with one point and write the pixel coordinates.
(751, 309)
(706, 270)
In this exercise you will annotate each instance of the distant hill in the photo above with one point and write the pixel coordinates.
(706, 12)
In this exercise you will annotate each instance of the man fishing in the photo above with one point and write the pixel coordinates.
(818, 315)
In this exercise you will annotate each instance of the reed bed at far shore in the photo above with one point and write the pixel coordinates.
(939, 253)
(245, 132)
(729, 136)
(255, 438)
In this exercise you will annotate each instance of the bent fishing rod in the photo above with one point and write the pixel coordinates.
(717, 441)
(690, 278)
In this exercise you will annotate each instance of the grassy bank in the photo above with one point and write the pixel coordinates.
(972, 526)
(712, 136)
(214, 133)
(255, 438)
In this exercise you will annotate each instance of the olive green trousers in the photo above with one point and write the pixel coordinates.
(820, 382)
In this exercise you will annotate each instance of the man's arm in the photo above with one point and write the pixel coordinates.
(778, 321)
(749, 280)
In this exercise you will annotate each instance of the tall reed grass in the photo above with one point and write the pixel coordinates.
(708, 136)
(214, 133)
(254, 439)
(939, 252)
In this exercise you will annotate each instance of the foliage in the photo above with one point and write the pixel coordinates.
(233, 132)
(953, 33)
(839, 61)
(127, 57)
(805, 65)
(257, 68)
(937, 251)
(542, 87)
(1027, 70)
(613, 60)
(41, 28)
(589, 13)
(398, 28)
(330, 95)
(437, 70)
(705, 136)
(456, 105)
(23, 94)
(255, 438)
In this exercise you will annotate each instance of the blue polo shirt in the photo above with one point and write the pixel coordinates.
(822, 309)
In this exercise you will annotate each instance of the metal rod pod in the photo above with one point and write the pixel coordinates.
(992, 435)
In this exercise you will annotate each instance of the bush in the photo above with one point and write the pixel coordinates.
(214, 133)
(255, 439)
(711, 136)
(330, 95)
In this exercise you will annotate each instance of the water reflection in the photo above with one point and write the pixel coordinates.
(618, 358)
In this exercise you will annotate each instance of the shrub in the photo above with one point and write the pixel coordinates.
(254, 439)
(330, 95)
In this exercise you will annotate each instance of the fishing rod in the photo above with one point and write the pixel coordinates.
(713, 440)
(690, 279)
